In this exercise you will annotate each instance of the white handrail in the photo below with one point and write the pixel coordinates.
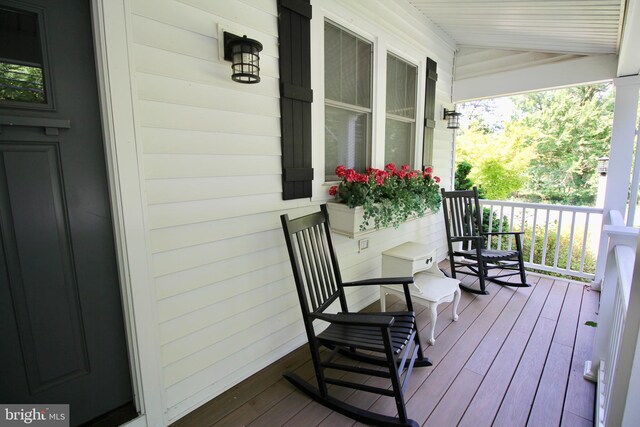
(576, 230)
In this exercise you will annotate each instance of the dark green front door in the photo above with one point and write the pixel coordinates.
(61, 321)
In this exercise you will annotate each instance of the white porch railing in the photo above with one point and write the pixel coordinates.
(616, 358)
(557, 238)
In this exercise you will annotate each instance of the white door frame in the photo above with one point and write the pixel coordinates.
(116, 86)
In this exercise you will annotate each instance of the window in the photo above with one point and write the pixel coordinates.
(401, 111)
(22, 78)
(347, 76)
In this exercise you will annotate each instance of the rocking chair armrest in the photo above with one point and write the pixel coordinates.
(465, 238)
(502, 233)
(355, 319)
(381, 281)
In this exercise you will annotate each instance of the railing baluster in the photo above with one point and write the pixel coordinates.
(532, 250)
(490, 225)
(570, 250)
(556, 254)
(500, 227)
(584, 241)
(510, 238)
(546, 240)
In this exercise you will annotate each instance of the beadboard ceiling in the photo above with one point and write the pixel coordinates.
(562, 26)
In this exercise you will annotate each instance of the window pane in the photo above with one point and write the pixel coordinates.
(401, 87)
(21, 83)
(21, 66)
(332, 62)
(347, 59)
(364, 74)
(346, 136)
(347, 77)
(349, 68)
(398, 136)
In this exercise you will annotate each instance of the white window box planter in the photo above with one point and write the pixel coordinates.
(346, 221)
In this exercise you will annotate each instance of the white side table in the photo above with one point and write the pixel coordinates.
(430, 288)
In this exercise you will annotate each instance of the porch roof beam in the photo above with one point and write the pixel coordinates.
(584, 70)
(628, 59)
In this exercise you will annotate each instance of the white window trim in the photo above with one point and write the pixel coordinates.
(383, 43)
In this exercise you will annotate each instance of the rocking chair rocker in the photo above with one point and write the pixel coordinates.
(463, 222)
(388, 340)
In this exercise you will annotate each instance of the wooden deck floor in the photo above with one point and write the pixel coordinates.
(514, 358)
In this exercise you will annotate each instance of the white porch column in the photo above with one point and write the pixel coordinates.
(622, 138)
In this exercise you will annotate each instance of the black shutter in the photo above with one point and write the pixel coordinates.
(429, 113)
(294, 21)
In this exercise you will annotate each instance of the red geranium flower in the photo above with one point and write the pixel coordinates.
(333, 190)
(428, 170)
(436, 178)
(341, 171)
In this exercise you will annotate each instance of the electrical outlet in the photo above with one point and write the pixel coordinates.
(363, 245)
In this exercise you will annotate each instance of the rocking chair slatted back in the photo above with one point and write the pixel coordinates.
(464, 215)
(316, 270)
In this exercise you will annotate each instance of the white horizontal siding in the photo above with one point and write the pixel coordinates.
(211, 162)
(198, 233)
(185, 93)
(163, 141)
(172, 116)
(194, 189)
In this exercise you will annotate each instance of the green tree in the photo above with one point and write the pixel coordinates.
(462, 180)
(547, 151)
(500, 160)
(569, 130)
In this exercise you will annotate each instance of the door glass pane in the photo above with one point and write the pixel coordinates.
(21, 59)
(397, 147)
(345, 140)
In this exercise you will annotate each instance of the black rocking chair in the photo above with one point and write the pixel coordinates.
(387, 340)
(463, 222)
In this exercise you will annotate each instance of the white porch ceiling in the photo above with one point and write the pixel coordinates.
(583, 27)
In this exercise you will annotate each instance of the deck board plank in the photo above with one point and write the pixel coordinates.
(431, 391)
(484, 406)
(549, 401)
(580, 392)
(518, 400)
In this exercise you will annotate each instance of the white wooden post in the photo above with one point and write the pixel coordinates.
(622, 138)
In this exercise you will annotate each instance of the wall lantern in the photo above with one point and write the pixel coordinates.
(603, 166)
(244, 56)
(453, 118)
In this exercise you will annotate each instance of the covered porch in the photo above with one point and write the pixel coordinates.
(518, 356)
(513, 358)
(196, 170)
